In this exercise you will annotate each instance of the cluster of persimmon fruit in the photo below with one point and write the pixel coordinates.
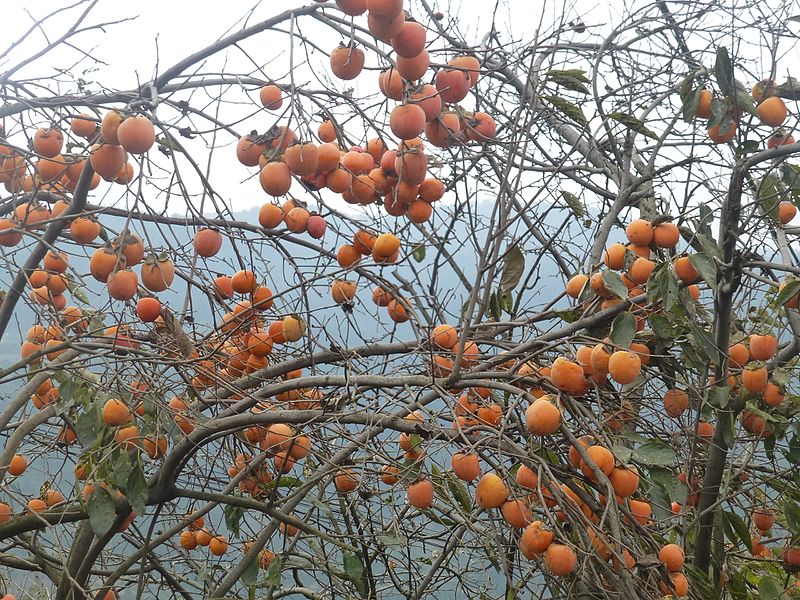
(112, 264)
(365, 175)
(634, 260)
(635, 264)
(283, 444)
(110, 141)
(770, 109)
(120, 419)
(196, 535)
(593, 461)
(384, 248)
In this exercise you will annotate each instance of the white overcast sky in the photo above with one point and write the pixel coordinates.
(169, 30)
(179, 27)
(183, 26)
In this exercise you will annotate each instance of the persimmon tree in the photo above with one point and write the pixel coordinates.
(515, 316)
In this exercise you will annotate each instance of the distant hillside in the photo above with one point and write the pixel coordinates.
(301, 274)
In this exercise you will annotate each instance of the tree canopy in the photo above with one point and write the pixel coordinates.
(515, 314)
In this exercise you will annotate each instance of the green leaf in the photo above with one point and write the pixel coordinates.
(614, 283)
(393, 539)
(700, 584)
(570, 315)
(723, 71)
(654, 453)
(354, 570)
(273, 574)
(622, 453)
(71, 391)
(662, 286)
(513, 268)
(690, 102)
(250, 573)
(284, 481)
(737, 587)
(494, 306)
(567, 108)
(770, 194)
(574, 203)
(738, 525)
(439, 482)
(747, 147)
(769, 446)
(769, 417)
(687, 302)
(660, 503)
(789, 291)
(102, 511)
(409, 471)
(167, 141)
(704, 342)
(122, 470)
(490, 551)
(136, 490)
(704, 265)
(706, 217)
(781, 376)
(728, 425)
(296, 562)
(666, 480)
(632, 123)
(77, 291)
(721, 115)
(793, 454)
(718, 396)
(233, 518)
(459, 492)
(686, 86)
(586, 293)
(507, 302)
(769, 589)
(790, 175)
(578, 74)
(623, 329)
(632, 436)
(85, 428)
(669, 287)
(419, 253)
(662, 327)
(730, 534)
(792, 513)
(570, 83)
(742, 98)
